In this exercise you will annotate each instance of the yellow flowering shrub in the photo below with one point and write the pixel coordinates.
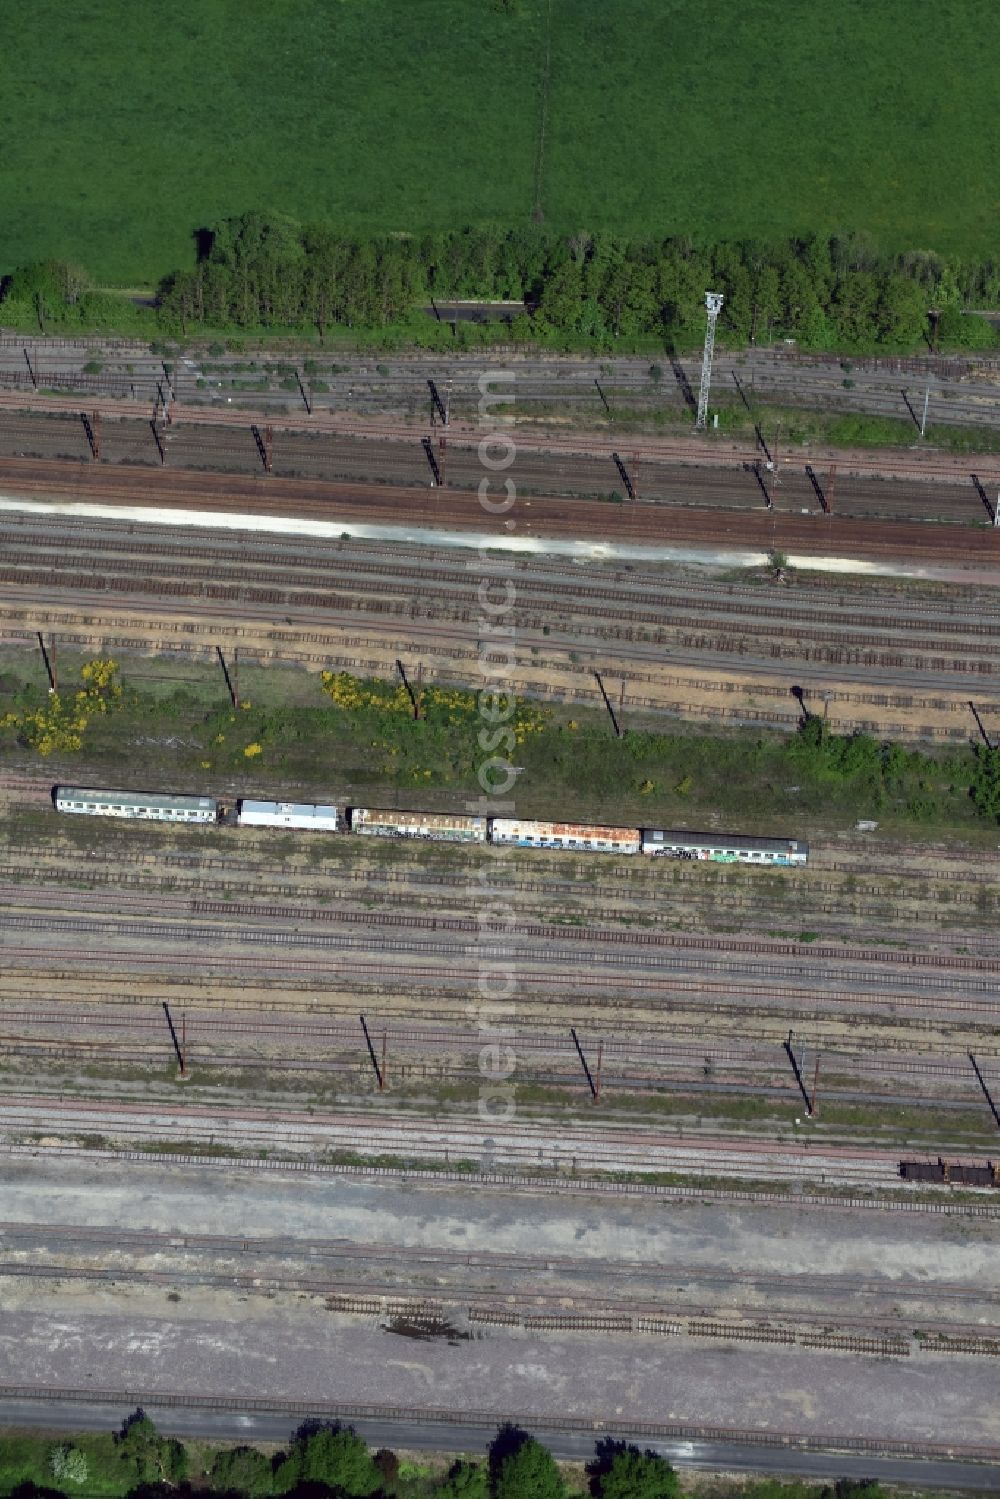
(449, 707)
(61, 723)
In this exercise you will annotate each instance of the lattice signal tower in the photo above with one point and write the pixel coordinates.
(713, 304)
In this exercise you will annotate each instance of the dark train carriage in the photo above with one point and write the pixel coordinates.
(952, 1173)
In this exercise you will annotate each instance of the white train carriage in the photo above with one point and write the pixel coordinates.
(725, 848)
(149, 806)
(315, 817)
(581, 837)
(437, 827)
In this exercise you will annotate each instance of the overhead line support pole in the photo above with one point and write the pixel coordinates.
(178, 1048)
(595, 1091)
(798, 1073)
(414, 699)
(379, 1076)
(619, 734)
(986, 1092)
(225, 672)
(49, 663)
(815, 1087)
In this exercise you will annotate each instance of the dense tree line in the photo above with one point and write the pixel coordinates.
(328, 1461)
(260, 271)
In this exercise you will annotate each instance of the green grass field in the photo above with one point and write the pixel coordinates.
(125, 128)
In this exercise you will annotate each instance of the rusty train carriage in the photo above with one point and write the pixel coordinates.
(582, 837)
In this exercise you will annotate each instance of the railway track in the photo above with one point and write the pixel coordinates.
(617, 620)
(689, 1088)
(614, 986)
(962, 390)
(608, 582)
(555, 936)
(539, 1312)
(644, 902)
(614, 1149)
(57, 1237)
(556, 519)
(326, 904)
(767, 1009)
(398, 457)
(630, 615)
(926, 864)
(708, 904)
(436, 1040)
(175, 628)
(422, 624)
(734, 886)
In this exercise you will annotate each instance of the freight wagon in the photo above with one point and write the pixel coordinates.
(954, 1173)
(438, 827)
(581, 836)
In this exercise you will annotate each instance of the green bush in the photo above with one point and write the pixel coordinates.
(332, 1455)
(147, 1457)
(620, 1471)
(465, 1480)
(242, 1470)
(985, 790)
(69, 1466)
(522, 1468)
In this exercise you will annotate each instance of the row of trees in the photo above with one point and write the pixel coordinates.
(517, 1467)
(264, 271)
(326, 1461)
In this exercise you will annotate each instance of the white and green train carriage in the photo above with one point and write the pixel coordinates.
(151, 806)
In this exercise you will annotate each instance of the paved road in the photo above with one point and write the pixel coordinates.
(461, 1437)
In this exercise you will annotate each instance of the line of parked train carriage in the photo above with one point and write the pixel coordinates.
(438, 827)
